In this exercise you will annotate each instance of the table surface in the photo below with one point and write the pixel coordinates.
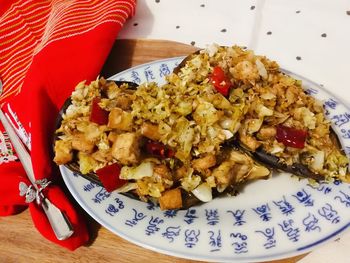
(20, 241)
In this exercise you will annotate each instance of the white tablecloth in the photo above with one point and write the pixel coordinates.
(308, 37)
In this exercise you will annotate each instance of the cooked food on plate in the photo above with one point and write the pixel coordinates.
(224, 117)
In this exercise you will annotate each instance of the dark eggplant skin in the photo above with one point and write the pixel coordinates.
(274, 162)
(297, 169)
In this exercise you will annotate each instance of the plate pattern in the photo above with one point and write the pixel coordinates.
(268, 220)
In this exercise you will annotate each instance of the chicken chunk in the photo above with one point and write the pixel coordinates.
(163, 171)
(82, 144)
(203, 163)
(171, 199)
(119, 119)
(150, 131)
(63, 152)
(126, 148)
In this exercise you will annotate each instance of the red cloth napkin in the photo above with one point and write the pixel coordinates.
(46, 48)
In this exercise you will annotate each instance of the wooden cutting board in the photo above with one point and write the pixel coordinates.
(20, 241)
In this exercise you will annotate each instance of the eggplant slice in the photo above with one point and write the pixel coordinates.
(232, 187)
(237, 162)
(268, 159)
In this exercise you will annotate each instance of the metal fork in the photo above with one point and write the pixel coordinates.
(59, 222)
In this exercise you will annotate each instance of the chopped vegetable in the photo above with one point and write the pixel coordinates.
(291, 137)
(158, 149)
(98, 115)
(203, 192)
(109, 176)
(145, 169)
(221, 83)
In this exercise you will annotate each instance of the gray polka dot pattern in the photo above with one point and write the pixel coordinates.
(299, 35)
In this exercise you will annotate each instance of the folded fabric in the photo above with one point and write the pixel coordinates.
(46, 48)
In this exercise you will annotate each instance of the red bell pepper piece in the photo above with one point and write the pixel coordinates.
(220, 81)
(291, 137)
(109, 177)
(158, 149)
(98, 115)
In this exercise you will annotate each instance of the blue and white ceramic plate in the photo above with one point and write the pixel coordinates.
(272, 219)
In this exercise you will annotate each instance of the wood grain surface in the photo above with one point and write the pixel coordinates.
(21, 242)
